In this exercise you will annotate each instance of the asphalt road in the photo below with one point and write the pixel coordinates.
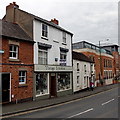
(101, 105)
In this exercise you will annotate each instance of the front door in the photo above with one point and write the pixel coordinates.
(5, 87)
(53, 92)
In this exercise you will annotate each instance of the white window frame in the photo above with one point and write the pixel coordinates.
(42, 57)
(78, 67)
(78, 80)
(44, 31)
(64, 37)
(21, 76)
(12, 51)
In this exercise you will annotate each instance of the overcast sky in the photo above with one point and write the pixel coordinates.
(94, 21)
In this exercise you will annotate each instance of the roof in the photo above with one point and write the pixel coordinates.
(108, 45)
(47, 22)
(81, 57)
(13, 30)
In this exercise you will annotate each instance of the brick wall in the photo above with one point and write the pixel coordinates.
(25, 62)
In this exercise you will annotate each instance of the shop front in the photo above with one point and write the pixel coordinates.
(52, 81)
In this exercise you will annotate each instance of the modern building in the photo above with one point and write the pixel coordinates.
(104, 61)
(113, 48)
(52, 52)
(83, 71)
(16, 51)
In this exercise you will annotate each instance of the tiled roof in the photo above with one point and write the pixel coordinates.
(13, 30)
(81, 57)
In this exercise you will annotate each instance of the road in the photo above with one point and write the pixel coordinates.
(101, 105)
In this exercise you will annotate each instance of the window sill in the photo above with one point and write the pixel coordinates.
(44, 38)
(23, 85)
(14, 60)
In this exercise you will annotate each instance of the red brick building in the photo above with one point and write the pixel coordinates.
(104, 61)
(17, 63)
(113, 48)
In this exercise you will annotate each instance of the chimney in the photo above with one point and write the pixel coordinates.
(10, 12)
(55, 21)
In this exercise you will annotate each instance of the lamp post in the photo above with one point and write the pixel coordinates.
(101, 70)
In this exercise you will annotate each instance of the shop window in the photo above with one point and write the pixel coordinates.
(41, 83)
(13, 50)
(44, 30)
(22, 77)
(63, 81)
(42, 56)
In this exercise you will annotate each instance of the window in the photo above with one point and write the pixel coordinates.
(78, 67)
(78, 80)
(13, 49)
(42, 56)
(63, 58)
(85, 68)
(44, 30)
(22, 77)
(63, 81)
(64, 37)
(41, 83)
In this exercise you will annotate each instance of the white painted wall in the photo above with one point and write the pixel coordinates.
(54, 34)
(81, 73)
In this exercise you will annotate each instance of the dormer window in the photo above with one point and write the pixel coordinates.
(44, 30)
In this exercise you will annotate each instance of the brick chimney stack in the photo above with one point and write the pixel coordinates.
(12, 5)
(10, 12)
(55, 21)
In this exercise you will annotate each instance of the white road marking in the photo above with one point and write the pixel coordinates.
(81, 113)
(108, 102)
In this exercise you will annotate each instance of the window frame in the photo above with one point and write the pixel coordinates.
(12, 51)
(64, 37)
(44, 33)
(43, 58)
(25, 77)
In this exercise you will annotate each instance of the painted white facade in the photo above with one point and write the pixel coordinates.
(55, 39)
(84, 76)
(52, 74)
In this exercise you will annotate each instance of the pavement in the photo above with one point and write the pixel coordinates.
(10, 109)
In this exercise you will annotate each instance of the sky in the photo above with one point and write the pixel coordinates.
(89, 20)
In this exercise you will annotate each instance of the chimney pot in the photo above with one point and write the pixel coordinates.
(55, 21)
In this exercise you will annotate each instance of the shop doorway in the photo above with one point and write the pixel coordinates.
(5, 87)
(53, 91)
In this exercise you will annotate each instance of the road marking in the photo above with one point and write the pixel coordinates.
(39, 109)
(81, 113)
(108, 102)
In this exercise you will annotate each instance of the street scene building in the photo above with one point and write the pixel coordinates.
(83, 71)
(39, 60)
(17, 63)
(52, 52)
(103, 58)
(113, 48)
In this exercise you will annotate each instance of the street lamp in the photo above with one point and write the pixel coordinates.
(101, 71)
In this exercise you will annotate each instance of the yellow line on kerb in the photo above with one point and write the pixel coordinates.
(22, 113)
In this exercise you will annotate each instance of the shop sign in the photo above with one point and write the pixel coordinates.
(52, 68)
